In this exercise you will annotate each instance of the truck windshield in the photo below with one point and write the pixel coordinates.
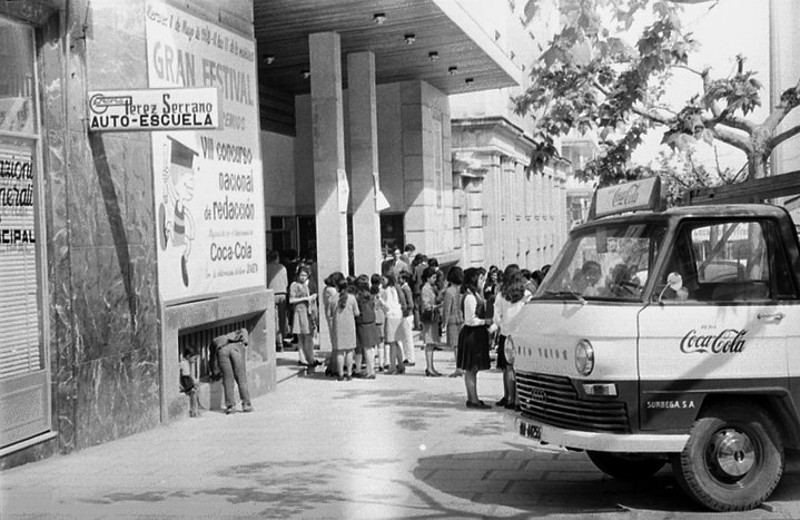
(605, 262)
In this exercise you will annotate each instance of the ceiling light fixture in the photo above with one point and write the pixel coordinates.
(269, 59)
(433, 55)
(305, 73)
(469, 82)
(410, 38)
(379, 18)
(452, 70)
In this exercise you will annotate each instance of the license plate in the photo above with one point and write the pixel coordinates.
(530, 431)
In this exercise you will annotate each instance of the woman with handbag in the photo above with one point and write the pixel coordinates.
(304, 322)
(430, 319)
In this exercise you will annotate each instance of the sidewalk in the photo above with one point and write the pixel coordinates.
(400, 446)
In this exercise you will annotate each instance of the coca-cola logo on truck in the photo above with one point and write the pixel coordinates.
(625, 196)
(729, 341)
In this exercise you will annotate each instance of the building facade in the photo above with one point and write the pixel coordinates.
(120, 246)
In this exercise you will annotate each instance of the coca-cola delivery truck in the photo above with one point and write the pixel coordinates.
(669, 336)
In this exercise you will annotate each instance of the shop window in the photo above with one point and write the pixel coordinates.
(24, 373)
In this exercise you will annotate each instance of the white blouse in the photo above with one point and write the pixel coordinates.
(470, 305)
(504, 311)
(391, 302)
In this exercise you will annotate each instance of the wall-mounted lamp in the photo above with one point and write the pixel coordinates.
(452, 70)
(410, 38)
(433, 55)
(468, 82)
(269, 59)
(379, 18)
(305, 73)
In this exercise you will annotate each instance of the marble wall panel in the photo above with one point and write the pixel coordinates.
(55, 179)
(116, 47)
(140, 219)
(105, 302)
(118, 396)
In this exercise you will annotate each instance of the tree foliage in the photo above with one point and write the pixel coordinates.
(590, 80)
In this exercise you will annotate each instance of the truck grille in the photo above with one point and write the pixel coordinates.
(554, 401)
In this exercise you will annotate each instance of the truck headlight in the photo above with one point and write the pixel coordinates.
(584, 357)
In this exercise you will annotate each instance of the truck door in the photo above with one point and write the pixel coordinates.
(725, 330)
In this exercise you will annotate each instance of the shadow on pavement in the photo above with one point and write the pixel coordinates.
(563, 483)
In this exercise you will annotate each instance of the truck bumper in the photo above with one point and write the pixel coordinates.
(597, 441)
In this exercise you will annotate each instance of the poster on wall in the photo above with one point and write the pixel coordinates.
(19, 318)
(208, 183)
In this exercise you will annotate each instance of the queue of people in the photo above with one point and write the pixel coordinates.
(371, 318)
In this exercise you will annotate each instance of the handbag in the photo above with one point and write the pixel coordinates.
(427, 315)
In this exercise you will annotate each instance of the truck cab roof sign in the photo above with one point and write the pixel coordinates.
(643, 194)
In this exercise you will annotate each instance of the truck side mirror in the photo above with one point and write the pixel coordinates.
(674, 282)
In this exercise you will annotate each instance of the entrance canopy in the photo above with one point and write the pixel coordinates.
(404, 35)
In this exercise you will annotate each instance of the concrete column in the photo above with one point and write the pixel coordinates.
(363, 123)
(327, 116)
(328, 143)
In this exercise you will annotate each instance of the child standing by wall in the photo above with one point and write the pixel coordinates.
(188, 382)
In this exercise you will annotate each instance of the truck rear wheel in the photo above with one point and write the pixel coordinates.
(733, 460)
(626, 466)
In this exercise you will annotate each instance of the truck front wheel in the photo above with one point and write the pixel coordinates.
(625, 466)
(733, 460)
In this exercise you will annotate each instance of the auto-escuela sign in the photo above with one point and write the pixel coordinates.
(154, 109)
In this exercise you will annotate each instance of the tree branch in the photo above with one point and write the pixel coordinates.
(727, 136)
(786, 105)
(702, 73)
(778, 139)
(653, 116)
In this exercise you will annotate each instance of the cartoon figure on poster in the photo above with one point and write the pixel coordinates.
(177, 227)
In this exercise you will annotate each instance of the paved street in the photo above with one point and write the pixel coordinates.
(398, 446)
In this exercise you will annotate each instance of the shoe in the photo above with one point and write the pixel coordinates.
(229, 410)
(348, 378)
(437, 373)
(431, 373)
(386, 367)
(371, 376)
(379, 369)
(247, 408)
(479, 405)
(437, 349)
(501, 402)
(317, 363)
(302, 364)
(455, 374)
(401, 370)
(405, 362)
(410, 364)
(339, 378)
(390, 372)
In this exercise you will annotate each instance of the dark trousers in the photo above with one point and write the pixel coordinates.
(231, 360)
